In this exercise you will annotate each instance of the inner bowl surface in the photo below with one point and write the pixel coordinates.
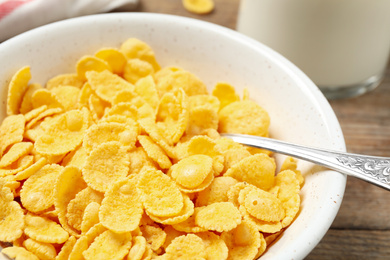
(298, 110)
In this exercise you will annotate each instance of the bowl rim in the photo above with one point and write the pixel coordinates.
(293, 71)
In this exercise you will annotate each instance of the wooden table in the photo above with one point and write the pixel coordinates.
(361, 229)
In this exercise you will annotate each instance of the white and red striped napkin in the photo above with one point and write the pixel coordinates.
(17, 16)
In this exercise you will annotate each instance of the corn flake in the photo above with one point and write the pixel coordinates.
(44, 251)
(65, 134)
(225, 93)
(244, 117)
(199, 6)
(136, 69)
(19, 253)
(219, 216)
(16, 151)
(154, 151)
(37, 193)
(69, 183)
(44, 230)
(26, 104)
(121, 209)
(76, 207)
(109, 245)
(106, 84)
(66, 249)
(115, 59)
(137, 249)
(188, 246)
(154, 235)
(17, 88)
(106, 164)
(11, 131)
(90, 63)
(216, 192)
(258, 170)
(90, 216)
(161, 196)
(134, 48)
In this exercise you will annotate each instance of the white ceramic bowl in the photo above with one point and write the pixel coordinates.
(299, 112)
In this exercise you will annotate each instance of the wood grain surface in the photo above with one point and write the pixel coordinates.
(361, 229)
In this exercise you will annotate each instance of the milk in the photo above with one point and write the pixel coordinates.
(337, 43)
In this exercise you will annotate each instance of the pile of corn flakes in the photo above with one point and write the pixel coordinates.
(123, 159)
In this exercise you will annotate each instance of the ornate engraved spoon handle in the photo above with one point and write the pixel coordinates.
(375, 170)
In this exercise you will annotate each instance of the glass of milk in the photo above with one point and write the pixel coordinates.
(342, 45)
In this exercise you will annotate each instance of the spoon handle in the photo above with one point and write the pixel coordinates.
(375, 170)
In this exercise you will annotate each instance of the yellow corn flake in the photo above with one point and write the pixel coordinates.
(134, 48)
(85, 241)
(26, 104)
(206, 183)
(202, 118)
(288, 183)
(84, 95)
(106, 164)
(16, 151)
(104, 132)
(11, 217)
(291, 164)
(136, 69)
(154, 235)
(97, 106)
(64, 80)
(106, 84)
(199, 6)
(244, 117)
(216, 192)
(233, 156)
(188, 246)
(225, 93)
(263, 205)
(69, 183)
(154, 151)
(207, 101)
(19, 253)
(16, 89)
(185, 213)
(115, 58)
(162, 73)
(109, 245)
(45, 97)
(90, 216)
(190, 83)
(65, 134)
(17, 167)
(44, 251)
(34, 113)
(90, 63)
(76, 206)
(243, 241)
(173, 115)
(50, 112)
(190, 172)
(37, 193)
(146, 88)
(67, 96)
(137, 249)
(66, 249)
(291, 208)
(44, 230)
(258, 169)
(207, 146)
(149, 126)
(220, 216)
(216, 248)
(76, 157)
(125, 100)
(161, 197)
(11, 131)
(138, 160)
(121, 209)
(262, 226)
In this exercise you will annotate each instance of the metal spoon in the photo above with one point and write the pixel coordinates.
(375, 170)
